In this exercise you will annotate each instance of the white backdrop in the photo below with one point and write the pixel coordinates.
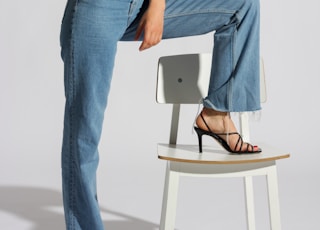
(130, 177)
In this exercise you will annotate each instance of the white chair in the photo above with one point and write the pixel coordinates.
(183, 79)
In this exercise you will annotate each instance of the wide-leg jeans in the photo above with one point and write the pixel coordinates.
(90, 32)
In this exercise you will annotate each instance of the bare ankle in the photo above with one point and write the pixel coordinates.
(212, 112)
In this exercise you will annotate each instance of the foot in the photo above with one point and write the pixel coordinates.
(220, 122)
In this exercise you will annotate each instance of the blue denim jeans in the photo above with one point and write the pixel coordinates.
(90, 32)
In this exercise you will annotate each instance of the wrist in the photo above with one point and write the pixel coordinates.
(159, 4)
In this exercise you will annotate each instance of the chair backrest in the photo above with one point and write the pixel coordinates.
(184, 79)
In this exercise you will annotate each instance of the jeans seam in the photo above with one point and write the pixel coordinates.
(71, 127)
(200, 12)
(230, 85)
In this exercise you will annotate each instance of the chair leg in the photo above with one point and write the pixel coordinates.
(169, 203)
(274, 207)
(249, 197)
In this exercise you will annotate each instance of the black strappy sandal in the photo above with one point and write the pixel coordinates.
(217, 137)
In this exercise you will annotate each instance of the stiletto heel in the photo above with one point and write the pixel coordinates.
(217, 136)
(199, 133)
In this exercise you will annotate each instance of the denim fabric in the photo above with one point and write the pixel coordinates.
(89, 34)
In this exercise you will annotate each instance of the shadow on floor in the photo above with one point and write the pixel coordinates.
(43, 208)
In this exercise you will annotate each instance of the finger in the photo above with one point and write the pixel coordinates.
(146, 45)
(149, 41)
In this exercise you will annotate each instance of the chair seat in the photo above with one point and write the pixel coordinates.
(216, 155)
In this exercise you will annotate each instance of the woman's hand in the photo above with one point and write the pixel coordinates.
(151, 24)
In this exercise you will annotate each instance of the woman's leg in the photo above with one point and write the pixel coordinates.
(234, 82)
(89, 35)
